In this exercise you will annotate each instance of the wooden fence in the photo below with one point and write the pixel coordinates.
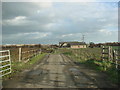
(109, 54)
(5, 59)
(26, 55)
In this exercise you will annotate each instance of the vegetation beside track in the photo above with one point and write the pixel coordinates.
(20, 66)
(91, 57)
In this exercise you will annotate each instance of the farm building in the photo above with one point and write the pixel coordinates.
(72, 44)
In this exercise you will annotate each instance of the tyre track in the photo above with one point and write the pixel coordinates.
(56, 71)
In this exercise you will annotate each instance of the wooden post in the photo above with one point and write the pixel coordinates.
(103, 57)
(113, 55)
(40, 51)
(28, 54)
(103, 53)
(20, 54)
(36, 52)
(116, 60)
(109, 53)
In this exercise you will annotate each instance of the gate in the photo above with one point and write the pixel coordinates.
(5, 63)
(108, 54)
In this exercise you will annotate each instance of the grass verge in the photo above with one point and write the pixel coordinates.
(91, 58)
(105, 67)
(20, 66)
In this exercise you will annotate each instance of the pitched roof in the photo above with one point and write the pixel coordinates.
(77, 43)
(73, 43)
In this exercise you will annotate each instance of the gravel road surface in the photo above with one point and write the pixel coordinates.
(58, 71)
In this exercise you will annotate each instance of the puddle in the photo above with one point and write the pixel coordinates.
(75, 71)
(79, 78)
(36, 72)
(34, 76)
(62, 63)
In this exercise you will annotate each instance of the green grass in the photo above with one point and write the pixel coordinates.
(116, 47)
(67, 53)
(106, 67)
(92, 57)
(20, 66)
(83, 53)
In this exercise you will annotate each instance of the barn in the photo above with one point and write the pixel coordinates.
(72, 45)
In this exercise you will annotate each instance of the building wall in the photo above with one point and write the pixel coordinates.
(78, 46)
(63, 45)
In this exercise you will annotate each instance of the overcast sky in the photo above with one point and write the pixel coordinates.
(51, 22)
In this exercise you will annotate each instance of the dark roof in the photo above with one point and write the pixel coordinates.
(74, 43)
(67, 42)
(78, 43)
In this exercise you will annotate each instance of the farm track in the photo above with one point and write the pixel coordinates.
(58, 71)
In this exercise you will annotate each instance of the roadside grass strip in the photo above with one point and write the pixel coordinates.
(91, 57)
(20, 66)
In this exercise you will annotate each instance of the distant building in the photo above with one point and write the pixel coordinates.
(72, 44)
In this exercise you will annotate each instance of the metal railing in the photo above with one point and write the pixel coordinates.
(5, 64)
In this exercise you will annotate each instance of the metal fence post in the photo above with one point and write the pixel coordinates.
(10, 60)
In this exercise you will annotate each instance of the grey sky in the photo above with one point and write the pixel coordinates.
(51, 22)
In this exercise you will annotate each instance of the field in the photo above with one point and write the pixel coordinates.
(91, 57)
(81, 67)
(83, 54)
(17, 65)
(14, 51)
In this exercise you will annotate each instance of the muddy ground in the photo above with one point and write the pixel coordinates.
(58, 71)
